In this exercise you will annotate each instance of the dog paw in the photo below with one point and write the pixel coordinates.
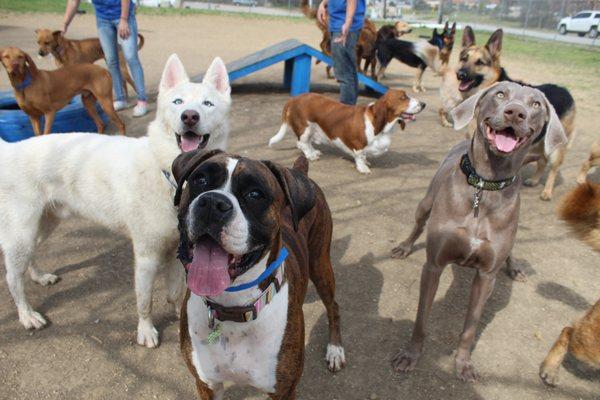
(581, 179)
(465, 371)
(45, 279)
(405, 361)
(549, 375)
(335, 357)
(31, 319)
(546, 195)
(402, 250)
(147, 335)
(363, 169)
(517, 273)
(531, 182)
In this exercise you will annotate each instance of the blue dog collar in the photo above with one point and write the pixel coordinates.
(26, 82)
(267, 272)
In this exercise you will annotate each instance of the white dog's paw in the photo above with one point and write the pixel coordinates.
(45, 279)
(31, 319)
(363, 169)
(336, 358)
(147, 335)
(313, 156)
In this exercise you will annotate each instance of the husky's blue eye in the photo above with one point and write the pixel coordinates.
(177, 101)
(208, 103)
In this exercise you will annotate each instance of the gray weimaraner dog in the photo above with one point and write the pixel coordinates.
(472, 204)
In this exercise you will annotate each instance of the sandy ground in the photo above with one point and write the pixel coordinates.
(88, 350)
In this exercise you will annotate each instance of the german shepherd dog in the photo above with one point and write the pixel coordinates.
(365, 47)
(420, 55)
(479, 67)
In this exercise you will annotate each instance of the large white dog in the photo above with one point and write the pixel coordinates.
(119, 182)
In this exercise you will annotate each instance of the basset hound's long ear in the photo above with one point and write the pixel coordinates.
(298, 189)
(185, 164)
(555, 133)
(468, 37)
(465, 111)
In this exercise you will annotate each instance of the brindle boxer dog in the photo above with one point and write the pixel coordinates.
(242, 317)
(472, 204)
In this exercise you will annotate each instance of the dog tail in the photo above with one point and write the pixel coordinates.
(301, 164)
(307, 10)
(141, 42)
(580, 209)
(284, 126)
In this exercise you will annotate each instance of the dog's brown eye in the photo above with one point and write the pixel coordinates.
(500, 95)
(537, 104)
(254, 195)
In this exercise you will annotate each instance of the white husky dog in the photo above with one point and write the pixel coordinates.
(120, 182)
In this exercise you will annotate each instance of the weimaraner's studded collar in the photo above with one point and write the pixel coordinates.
(480, 183)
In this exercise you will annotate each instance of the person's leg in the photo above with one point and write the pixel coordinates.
(344, 65)
(130, 51)
(107, 32)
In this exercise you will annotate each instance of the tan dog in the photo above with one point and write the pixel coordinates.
(68, 51)
(360, 131)
(593, 161)
(42, 93)
(580, 208)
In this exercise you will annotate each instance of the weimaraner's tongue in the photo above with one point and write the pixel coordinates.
(189, 142)
(505, 143)
(208, 273)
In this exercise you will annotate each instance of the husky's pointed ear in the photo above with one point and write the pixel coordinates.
(494, 43)
(446, 26)
(555, 133)
(468, 37)
(453, 30)
(173, 74)
(465, 111)
(217, 76)
(297, 188)
(185, 164)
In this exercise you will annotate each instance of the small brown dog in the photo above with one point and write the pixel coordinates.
(593, 161)
(42, 93)
(580, 208)
(87, 51)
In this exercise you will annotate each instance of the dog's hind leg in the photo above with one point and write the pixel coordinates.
(107, 105)
(556, 160)
(305, 143)
(404, 249)
(537, 175)
(36, 124)
(556, 355)
(418, 85)
(175, 276)
(321, 275)
(89, 101)
(593, 161)
(18, 245)
(147, 263)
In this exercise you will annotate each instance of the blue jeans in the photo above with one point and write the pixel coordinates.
(109, 38)
(344, 65)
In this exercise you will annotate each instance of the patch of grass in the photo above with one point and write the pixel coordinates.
(53, 6)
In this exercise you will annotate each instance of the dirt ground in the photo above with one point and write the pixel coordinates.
(88, 350)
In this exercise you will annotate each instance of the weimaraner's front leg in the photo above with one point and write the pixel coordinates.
(421, 216)
(406, 360)
(481, 288)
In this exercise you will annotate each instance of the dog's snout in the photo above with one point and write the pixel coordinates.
(515, 113)
(190, 117)
(215, 207)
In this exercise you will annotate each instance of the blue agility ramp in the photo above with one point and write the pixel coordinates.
(297, 57)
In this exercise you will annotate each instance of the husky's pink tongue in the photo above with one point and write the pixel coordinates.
(505, 143)
(208, 273)
(189, 142)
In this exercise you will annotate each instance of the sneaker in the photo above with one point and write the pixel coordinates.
(119, 105)
(140, 109)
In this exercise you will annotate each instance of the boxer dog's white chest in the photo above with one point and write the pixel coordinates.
(246, 352)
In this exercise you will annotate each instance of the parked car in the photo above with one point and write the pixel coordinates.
(581, 23)
(250, 3)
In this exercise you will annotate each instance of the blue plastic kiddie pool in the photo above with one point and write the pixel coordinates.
(15, 124)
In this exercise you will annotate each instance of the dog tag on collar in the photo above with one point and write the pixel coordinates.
(214, 335)
(477, 200)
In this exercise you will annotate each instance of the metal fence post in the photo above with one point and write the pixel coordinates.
(527, 17)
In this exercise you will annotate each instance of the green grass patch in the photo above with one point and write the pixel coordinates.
(30, 6)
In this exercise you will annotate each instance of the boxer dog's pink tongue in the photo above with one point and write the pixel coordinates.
(208, 273)
(189, 142)
(505, 141)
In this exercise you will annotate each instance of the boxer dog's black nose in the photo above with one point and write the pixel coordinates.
(214, 209)
(190, 117)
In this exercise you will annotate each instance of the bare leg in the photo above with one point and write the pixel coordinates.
(556, 355)
(515, 271)
(49, 120)
(421, 216)
(406, 360)
(481, 288)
